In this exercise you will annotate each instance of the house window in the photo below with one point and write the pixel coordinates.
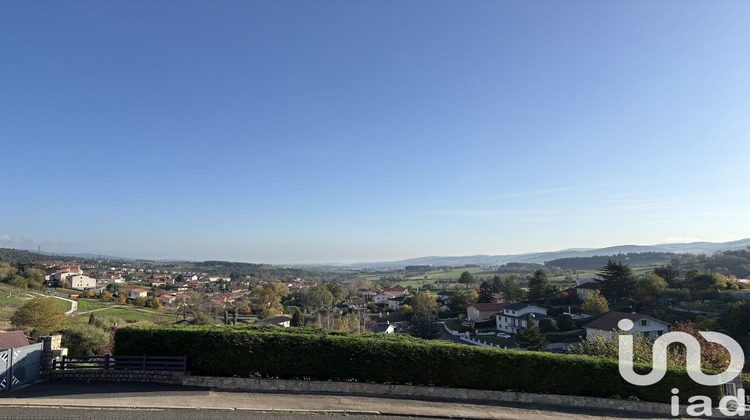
(644, 322)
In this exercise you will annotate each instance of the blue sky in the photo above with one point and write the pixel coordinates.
(339, 131)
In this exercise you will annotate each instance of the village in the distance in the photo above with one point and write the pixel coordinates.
(550, 307)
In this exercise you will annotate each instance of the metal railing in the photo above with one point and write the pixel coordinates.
(145, 362)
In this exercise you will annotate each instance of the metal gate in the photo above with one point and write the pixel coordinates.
(20, 366)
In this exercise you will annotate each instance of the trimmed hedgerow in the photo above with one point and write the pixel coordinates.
(398, 359)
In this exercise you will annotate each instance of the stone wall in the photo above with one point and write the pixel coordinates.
(358, 388)
(152, 376)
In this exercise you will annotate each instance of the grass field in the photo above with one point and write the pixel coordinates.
(90, 304)
(130, 314)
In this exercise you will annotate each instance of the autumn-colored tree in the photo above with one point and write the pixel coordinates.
(87, 294)
(43, 314)
(122, 298)
(713, 355)
(65, 284)
(266, 299)
(106, 296)
(155, 304)
(595, 304)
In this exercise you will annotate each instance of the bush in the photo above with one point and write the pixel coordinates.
(547, 325)
(104, 322)
(85, 340)
(400, 359)
(565, 322)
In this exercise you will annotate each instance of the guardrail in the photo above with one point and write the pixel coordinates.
(145, 362)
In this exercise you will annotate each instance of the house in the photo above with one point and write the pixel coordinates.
(444, 296)
(483, 311)
(516, 316)
(383, 297)
(136, 293)
(396, 291)
(383, 329)
(607, 324)
(167, 300)
(584, 290)
(356, 303)
(396, 302)
(392, 318)
(277, 321)
(340, 308)
(12, 340)
(110, 278)
(81, 282)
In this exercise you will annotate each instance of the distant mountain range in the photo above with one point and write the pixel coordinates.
(707, 248)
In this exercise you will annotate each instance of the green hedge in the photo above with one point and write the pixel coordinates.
(399, 359)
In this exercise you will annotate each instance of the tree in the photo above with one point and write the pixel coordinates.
(466, 279)
(298, 320)
(650, 286)
(140, 301)
(106, 296)
(87, 294)
(461, 299)
(266, 299)
(497, 284)
(540, 287)
(424, 324)
(42, 314)
(713, 355)
(618, 282)
(85, 340)
(595, 304)
(315, 298)
(565, 322)
(670, 274)
(65, 284)
(485, 293)
(424, 301)
(201, 319)
(155, 304)
(735, 319)
(532, 338)
(122, 298)
(512, 291)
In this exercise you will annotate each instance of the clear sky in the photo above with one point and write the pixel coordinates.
(286, 131)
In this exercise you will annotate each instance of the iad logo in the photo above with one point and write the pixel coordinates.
(693, 367)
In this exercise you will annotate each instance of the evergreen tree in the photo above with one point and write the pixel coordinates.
(297, 319)
(497, 284)
(485, 293)
(424, 324)
(512, 291)
(532, 338)
(540, 287)
(618, 281)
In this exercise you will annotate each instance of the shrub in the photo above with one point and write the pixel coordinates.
(565, 322)
(400, 359)
(547, 325)
(104, 322)
(85, 340)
